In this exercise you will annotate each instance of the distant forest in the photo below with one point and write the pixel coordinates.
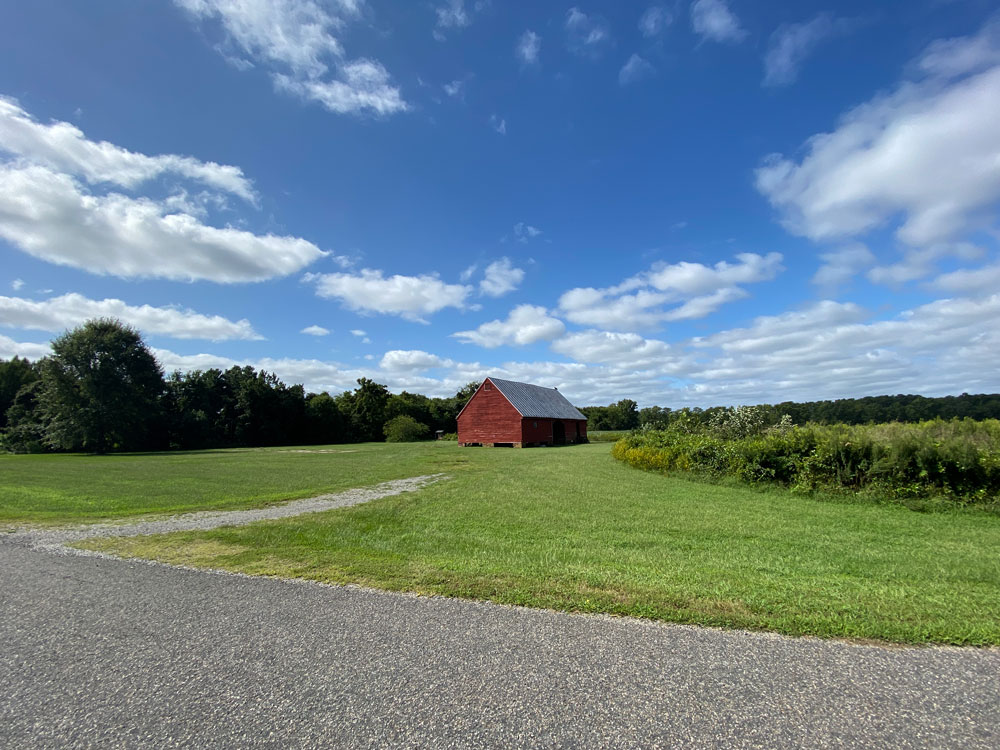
(625, 415)
(102, 390)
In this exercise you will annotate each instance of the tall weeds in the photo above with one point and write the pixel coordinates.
(949, 462)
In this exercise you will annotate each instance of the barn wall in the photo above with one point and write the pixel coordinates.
(543, 433)
(489, 418)
(540, 434)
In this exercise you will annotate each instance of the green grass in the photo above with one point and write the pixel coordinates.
(45, 489)
(573, 529)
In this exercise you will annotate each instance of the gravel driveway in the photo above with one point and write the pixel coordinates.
(96, 652)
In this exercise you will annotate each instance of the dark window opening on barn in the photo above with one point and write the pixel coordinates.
(534, 425)
(487, 387)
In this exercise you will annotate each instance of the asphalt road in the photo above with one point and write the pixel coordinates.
(103, 653)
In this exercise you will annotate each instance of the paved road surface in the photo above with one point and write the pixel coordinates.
(104, 653)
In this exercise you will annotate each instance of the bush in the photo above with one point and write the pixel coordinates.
(958, 460)
(405, 429)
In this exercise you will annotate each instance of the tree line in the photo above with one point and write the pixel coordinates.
(103, 390)
(625, 415)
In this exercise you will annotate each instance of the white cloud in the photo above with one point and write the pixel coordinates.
(452, 15)
(654, 20)
(63, 147)
(500, 278)
(921, 261)
(296, 41)
(529, 46)
(603, 309)
(639, 302)
(359, 333)
(315, 330)
(828, 350)
(604, 347)
(71, 310)
(25, 349)
(634, 69)
(791, 43)
(695, 278)
(971, 280)
(47, 215)
(498, 124)
(454, 88)
(411, 360)
(524, 232)
(364, 86)
(705, 304)
(712, 19)
(586, 35)
(840, 266)
(17, 284)
(926, 155)
(526, 324)
(410, 297)
(468, 273)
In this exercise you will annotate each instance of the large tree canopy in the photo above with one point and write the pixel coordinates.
(100, 388)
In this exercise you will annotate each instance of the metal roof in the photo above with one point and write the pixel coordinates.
(535, 401)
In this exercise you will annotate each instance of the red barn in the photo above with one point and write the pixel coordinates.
(506, 413)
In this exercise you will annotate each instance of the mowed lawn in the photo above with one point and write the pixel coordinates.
(48, 489)
(573, 529)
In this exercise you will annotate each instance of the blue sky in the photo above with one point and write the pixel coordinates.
(684, 203)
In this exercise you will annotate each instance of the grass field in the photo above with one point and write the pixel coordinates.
(45, 489)
(573, 529)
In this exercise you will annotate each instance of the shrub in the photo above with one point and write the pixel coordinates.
(958, 461)
(405, 429)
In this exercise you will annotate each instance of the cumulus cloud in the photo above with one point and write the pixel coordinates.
(63, 147)
(529, 46)
(526, 324)
(71, 310)
(315, 330)
(714, 21)
(833, 349)
(500, 277)
(586, 35)
(627, 349)
(971, 280)
(634, 69)
(791, 43)
(924, 158)
(827, 350)
(643, 301)
(840, 266)
(410, 297)
(9, 348)
(48, 215)
(17, 284)
(296, 42)
(399, 360)
(654, 20)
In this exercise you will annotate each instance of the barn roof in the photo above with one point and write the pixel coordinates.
(535, 401)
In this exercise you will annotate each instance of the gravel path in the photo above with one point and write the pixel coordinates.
(56, 539)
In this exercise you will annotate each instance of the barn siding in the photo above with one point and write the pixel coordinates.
(489, 418)
(543, 433)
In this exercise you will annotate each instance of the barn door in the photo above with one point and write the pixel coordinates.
(558, 433)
